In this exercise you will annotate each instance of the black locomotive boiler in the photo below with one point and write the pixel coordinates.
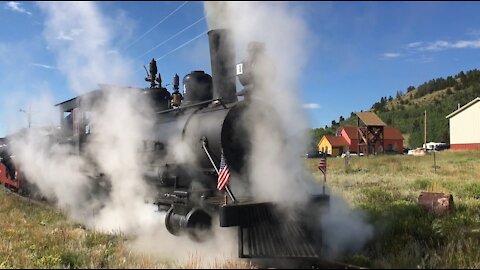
(208, 118)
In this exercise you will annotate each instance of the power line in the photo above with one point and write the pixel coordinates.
(165, 41)
(179, 47)
(150, 30)
(183, 45)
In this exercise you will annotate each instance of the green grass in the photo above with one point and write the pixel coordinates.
(387, 189)
(34, 236)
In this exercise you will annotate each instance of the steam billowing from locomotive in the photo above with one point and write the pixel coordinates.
(276, 139)
(121, 149)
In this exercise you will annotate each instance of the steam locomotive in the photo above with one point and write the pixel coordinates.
(208, 117)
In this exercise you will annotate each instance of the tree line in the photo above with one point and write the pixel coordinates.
(408, 114)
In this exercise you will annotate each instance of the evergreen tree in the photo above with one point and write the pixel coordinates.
(399, 94)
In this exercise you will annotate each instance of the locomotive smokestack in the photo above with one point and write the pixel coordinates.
(222, 59)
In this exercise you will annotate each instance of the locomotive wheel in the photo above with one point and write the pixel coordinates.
(171, 229)
(199, 225)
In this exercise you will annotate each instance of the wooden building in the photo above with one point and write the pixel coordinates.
(392, 139)
(332, 145)
(465, 126)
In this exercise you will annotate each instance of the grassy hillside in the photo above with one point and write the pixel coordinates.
(386, 188)
(439, 97)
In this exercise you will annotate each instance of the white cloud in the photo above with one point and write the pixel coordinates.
(311, 106)
(441, 45)
(435, 46)
(391, 55)
(42, 66)
(15, 6)
(474, 44)
(414, 44)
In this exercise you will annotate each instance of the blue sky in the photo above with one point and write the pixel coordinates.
(362, 50)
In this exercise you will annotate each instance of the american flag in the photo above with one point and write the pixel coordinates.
(322, 166)
(223, 174)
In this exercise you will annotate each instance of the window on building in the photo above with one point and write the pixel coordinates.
(389, 147)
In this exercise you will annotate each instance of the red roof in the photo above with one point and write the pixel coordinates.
(352, 132)
(389, 133)
(336, 140)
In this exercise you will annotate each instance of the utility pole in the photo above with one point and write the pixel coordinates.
(425, 130)
(29, 115)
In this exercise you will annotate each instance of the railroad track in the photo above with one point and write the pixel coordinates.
(302, 263)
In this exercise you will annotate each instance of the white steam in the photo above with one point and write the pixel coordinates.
(344, 229)
(82, 39)
(118, 132)
(278, 139)
(117, 129)
(277, 119)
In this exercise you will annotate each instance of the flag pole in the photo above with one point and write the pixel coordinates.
(227, 189)
(324, 182)
(323, 168)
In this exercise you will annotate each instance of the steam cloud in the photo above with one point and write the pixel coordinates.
(276, 171)
(82, 38)
(278, 139)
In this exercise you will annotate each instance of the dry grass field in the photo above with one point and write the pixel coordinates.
(35, 236)
(386, 188)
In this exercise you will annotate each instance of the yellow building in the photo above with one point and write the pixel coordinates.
(332, 145)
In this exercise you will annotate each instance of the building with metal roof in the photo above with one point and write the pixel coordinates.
(465, 126)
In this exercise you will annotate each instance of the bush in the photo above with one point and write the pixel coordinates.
(71, 260)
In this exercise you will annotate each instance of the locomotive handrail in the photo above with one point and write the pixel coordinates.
(204, 146)
(193, 105)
